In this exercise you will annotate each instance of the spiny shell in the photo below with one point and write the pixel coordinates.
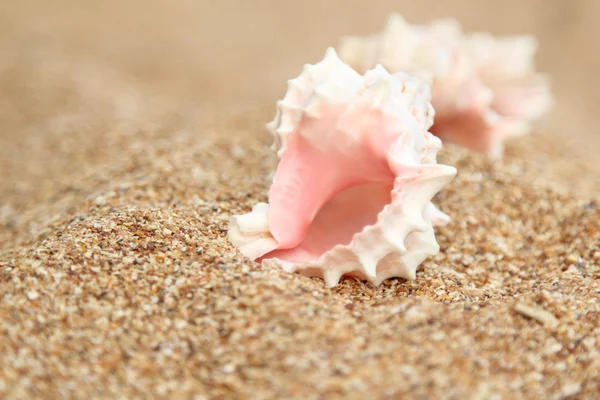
(485, 88)
(352, 191)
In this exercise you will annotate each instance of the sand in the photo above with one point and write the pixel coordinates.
(124, 148)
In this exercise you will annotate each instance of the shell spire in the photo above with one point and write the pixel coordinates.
(357, 171)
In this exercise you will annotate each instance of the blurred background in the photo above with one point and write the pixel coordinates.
(240, 50)
(72, 72)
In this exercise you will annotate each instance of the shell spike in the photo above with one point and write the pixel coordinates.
(331, 277)
(331, 54)
(411, 274)
(380, 69)
(396, 242)
(308, 70)
(369, 268)
(271, 126)
(395, 18)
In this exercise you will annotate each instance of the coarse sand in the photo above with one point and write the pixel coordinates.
(117, 279)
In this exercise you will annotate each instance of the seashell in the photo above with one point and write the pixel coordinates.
(485, 88)
(357, 171)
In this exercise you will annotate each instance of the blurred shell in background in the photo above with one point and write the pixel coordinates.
(485, 88)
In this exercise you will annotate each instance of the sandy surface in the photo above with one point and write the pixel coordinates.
(130, 132)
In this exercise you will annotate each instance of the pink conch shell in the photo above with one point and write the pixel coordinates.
(485, 89)
(357, 171)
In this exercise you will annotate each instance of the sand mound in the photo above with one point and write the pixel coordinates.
(136, 290)
(116, 278)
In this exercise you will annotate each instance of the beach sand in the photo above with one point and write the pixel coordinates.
(130, 132)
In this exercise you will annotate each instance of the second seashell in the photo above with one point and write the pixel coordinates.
(357, 171)
(485, 88)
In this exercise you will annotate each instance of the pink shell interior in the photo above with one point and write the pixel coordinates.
(345, 214)
(321, 196)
